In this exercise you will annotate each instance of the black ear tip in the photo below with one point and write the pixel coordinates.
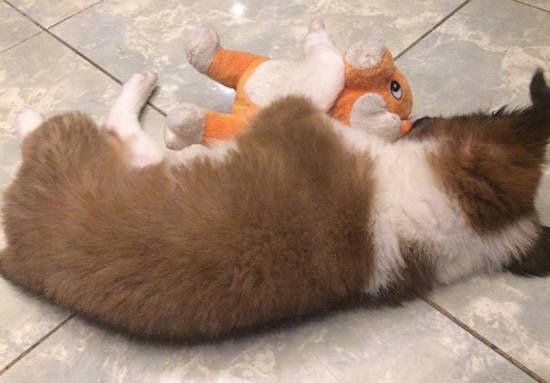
(540, 92)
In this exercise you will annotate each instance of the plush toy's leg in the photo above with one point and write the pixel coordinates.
(26, 122)
(184, 126)
(229, 66)
(201, 44)
(188, 124)
(317, 37)
(324, 65)
(124, 119)
(220, 126)
(202, 47)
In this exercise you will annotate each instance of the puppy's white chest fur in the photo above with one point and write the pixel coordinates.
(409, 206)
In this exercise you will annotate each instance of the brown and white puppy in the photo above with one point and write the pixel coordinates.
(294, 217)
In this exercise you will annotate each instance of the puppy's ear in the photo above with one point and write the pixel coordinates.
(540, 92)
(537, 261)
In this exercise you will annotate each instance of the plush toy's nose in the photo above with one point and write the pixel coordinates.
(406, 126)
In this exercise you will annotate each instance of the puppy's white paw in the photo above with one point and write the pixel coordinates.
(132, 99)
(184, 126)
(27, 121)
(137, 90)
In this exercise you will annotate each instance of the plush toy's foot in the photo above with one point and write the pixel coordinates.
(184, 126)
(201, 44)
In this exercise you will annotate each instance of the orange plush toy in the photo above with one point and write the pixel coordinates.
(363, 89)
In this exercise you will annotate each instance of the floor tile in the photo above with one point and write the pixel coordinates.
(49, 12)
(544, 4)
(511, 312)
(121, 36)
(23, 321)
(14, 27)
(409, 344)
(474, 62)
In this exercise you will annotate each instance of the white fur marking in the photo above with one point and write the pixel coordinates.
(409, 205)
(124, 119)
(26, 122)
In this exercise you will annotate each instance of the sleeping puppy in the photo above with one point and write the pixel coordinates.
(294, 217)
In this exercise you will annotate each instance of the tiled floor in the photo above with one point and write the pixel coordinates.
(459, 56)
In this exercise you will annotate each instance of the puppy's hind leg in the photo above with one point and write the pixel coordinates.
(26, 122)
(124, 119)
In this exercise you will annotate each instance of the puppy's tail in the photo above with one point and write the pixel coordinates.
(540, 92)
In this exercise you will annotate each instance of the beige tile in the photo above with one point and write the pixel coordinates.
(512, 312)
(544, 4)
(49, 12)
(474, 62)
(408, 344)
(23, 321)
(14, 27)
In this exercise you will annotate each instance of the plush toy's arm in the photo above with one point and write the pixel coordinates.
(369, 113)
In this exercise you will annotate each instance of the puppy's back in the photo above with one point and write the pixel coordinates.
(276, 231)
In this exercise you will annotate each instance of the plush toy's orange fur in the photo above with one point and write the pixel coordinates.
(232, 69)
(378, 80)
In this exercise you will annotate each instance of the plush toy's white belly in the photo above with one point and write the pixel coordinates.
(320, 77)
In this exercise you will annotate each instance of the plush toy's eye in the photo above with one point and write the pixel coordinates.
(396, 90)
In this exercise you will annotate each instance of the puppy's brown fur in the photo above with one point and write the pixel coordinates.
(281, 229)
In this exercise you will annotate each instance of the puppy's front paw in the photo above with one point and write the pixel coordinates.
(184, 126)
(141, 84)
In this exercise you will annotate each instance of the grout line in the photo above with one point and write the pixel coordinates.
(81, 55)
(485, 341)
(74, 14)
(21, 42)
(432, 29)
(532, 6)
(35, 345)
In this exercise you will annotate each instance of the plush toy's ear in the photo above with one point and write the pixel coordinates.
(366, 54)
(369, 67)
(368, 64)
